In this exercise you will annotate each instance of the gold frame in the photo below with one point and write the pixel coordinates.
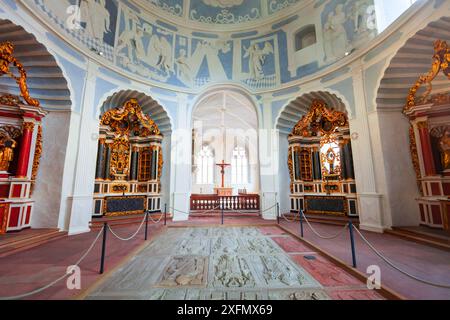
(123, 213)
(330, 213)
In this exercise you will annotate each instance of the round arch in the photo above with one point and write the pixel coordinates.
(49, 83)
(237, 89)
(291, 113)
(402, 69)
(150, 106)
(232, 108)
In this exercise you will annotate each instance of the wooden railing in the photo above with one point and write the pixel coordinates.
(202, 202)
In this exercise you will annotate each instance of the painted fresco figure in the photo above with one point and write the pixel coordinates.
(129, 37)
(96, 17)
(184, 69)
(257, 58)
(336, 40)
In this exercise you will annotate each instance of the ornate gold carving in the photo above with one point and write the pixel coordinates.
(10, 100)
(160, 163)
(120, 158)
(320, 119)
(441, 60)
(415, 157)
(28, 126)
(37, 157)
(6, 59)
(4, 207)
(422, 125)
(119, 187)
(444, 148)
(130, 119)
(8, 142)
(291, 165)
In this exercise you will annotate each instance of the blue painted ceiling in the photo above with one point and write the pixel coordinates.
(221, 12)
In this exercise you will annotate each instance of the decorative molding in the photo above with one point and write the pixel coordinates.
(6, 60)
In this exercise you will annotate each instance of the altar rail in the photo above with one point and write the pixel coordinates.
(202, 202)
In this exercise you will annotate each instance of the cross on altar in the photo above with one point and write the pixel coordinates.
(223, 165)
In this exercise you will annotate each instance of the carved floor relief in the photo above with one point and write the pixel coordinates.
(235, 263)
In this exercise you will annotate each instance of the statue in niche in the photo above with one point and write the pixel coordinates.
(96, 17)
(444, 146)
(335, 35)
(6, 153)
(257, 57)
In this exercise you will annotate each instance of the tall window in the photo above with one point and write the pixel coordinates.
(205, 166)
(305, 37)
(239, 166)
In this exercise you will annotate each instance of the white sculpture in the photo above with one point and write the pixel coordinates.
(130, 38)
(160, 47)
(96, 17)
(257, 58)
(335, 35)
(184, 69)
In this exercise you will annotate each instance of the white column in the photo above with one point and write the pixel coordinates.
(370, 200)
(80, 203)
(268, 162)
(181, 161)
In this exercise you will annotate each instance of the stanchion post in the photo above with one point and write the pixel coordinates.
(146, 225)
(278, 213)
(165, 214)
(301, 222)
(352, 241)
(102, 260)
(222, 214)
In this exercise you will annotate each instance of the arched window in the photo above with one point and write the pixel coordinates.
(205, 166)
(239, 166)
(306, 37)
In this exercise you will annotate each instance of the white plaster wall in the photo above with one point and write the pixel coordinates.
(49, 181)
(395, 174)
(283, 175)
(165, 178)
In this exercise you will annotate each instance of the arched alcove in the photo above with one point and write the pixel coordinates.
(46, 83)
(398, 137)
(159, 115)
(226, 121)
(285, 123)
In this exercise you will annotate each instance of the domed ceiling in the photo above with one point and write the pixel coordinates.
(189, 44)
(219, 12)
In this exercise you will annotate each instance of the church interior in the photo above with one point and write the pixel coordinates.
(225, 150)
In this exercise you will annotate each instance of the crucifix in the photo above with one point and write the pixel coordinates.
(223, 165)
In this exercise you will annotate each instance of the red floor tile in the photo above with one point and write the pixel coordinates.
(326, 272)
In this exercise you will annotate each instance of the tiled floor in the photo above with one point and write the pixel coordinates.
(27, 270)
(230, 263)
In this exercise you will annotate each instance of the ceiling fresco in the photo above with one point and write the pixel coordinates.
(139, 41)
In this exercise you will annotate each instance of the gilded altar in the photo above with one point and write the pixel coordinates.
(129, 162)
(428, 109)
(320, 163)
(20, 145)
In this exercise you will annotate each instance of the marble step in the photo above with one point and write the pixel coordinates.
(11, 244)
(426, 239)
